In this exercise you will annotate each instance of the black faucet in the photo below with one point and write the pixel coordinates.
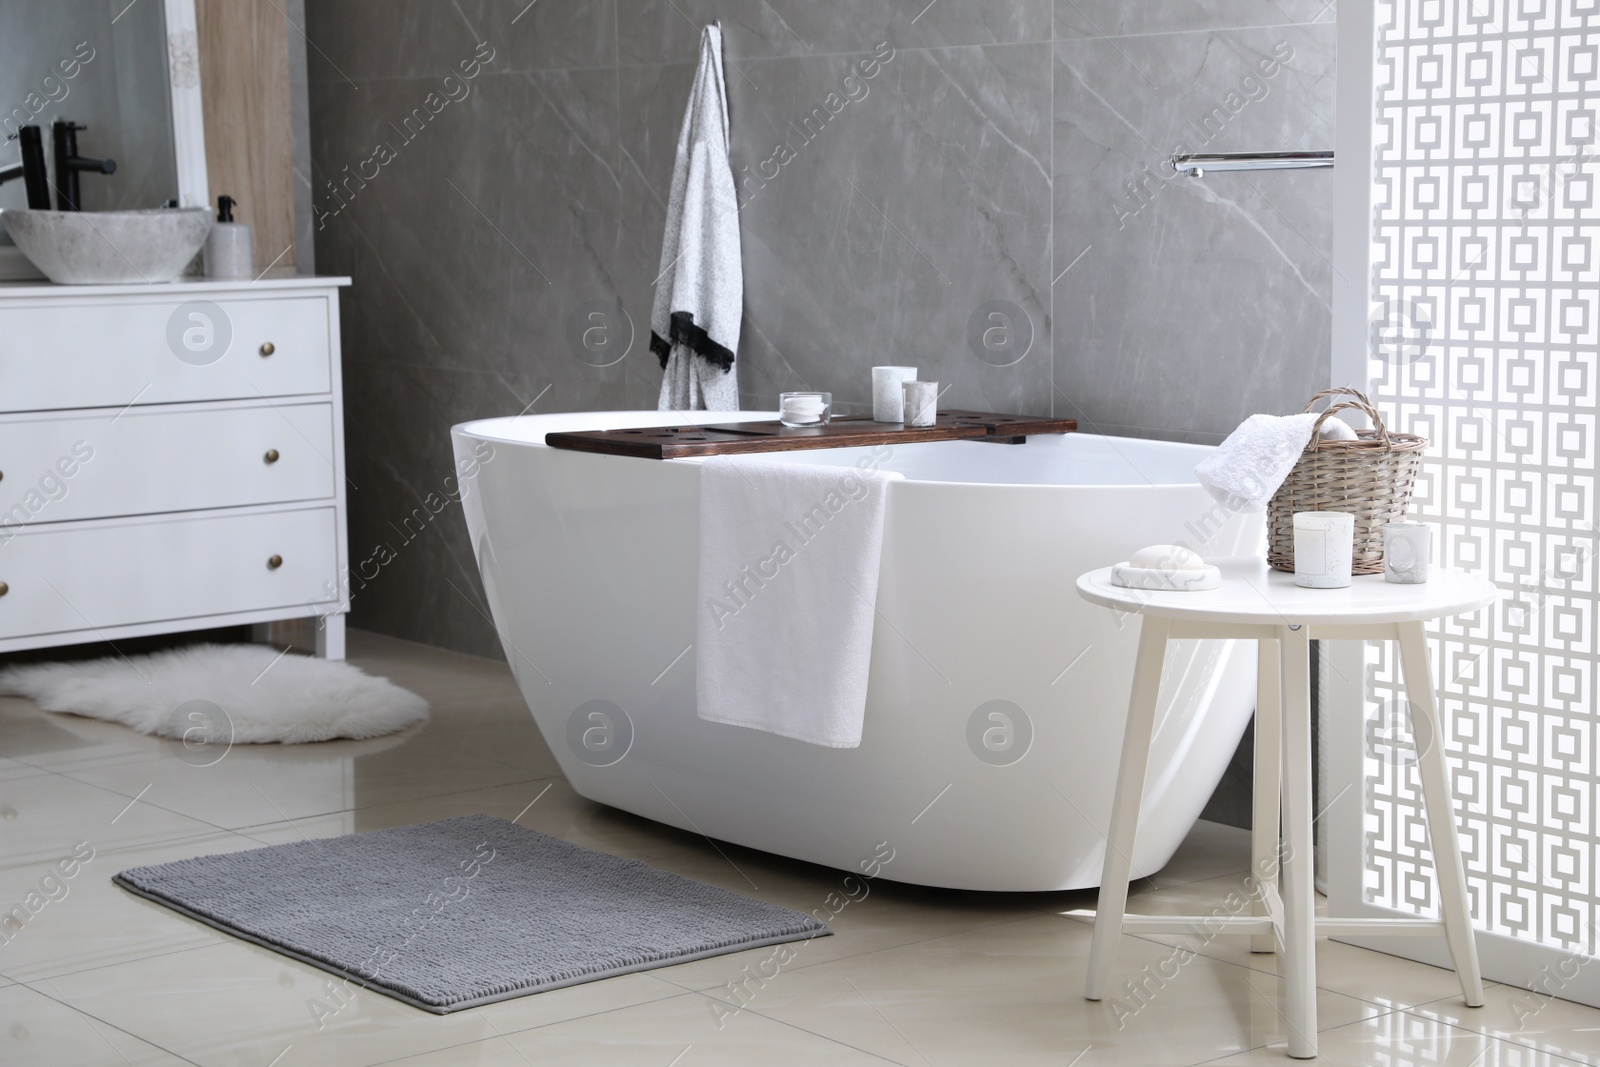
(69, 163)
(31, 169)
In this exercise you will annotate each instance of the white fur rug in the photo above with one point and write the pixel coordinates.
(292, 700)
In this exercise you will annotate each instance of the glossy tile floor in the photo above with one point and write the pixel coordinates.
(915, 977)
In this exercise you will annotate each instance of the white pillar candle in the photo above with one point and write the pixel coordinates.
(1407, 547)
(921, 403)
(888, 404)
(1324, 542)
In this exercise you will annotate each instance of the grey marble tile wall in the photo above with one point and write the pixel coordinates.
(1196, 301)
(1003, 151)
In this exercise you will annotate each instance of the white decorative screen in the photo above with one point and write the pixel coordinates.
(1487, 270)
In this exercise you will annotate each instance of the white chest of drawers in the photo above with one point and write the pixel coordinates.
(171, 458)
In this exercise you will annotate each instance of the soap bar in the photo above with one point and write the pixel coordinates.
(1168, 567)
(1178, 581)
(1167, 558)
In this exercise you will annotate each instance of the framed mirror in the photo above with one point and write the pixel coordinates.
(128, 73)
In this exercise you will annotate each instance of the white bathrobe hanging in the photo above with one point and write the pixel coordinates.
(694, 325)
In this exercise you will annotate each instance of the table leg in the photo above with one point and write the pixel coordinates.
(1299, 895)
(330, 636)
(1125, 805)
(1264, 814)
(1439, 811)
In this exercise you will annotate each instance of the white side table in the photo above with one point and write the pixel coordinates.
(1255, 603)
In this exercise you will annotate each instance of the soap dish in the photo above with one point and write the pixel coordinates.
(1183, 581)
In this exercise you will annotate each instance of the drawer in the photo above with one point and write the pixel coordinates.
(160, 349)
(141, 461)
(80, 577)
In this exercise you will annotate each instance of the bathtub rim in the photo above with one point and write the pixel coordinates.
(478, 429)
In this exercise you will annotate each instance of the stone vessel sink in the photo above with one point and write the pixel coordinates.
(109, 247)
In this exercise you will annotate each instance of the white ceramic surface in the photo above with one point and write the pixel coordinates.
(590, 564)
(109, 247)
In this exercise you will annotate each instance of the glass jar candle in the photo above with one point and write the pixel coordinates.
(1407, 547)
(921, 403)
(805, 408)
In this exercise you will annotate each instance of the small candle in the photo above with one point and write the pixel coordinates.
(1324, 542)
(1407, 546)
(804, 409)
(921, 402)
(888, 405)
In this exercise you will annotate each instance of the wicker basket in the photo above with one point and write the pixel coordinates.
(1371, 478)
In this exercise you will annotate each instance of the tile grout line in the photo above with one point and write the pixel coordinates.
(1503, 1039)
(886, 948)
(209, 827)
(1197, 30)
(1247, 972)
(1049, 38)
(58, 998)
(1269, 1044)
(600, 68)
(803, 1030)
(506, 1035)
(1051, 239)
(222, 939)
(244, 830)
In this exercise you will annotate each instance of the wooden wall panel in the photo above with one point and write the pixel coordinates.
(244, 84)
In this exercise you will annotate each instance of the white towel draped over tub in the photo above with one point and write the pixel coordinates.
(694, 325)
(788, 588)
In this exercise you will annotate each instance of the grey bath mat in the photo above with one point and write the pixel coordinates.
(452, 914)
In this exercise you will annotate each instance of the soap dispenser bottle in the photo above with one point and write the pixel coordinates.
(228, 245)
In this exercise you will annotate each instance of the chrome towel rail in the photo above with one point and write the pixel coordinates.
(1197, 165)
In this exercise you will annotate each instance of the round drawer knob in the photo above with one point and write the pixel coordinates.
(271, 456)
(4, 589)
(274, 562)
(267, 348)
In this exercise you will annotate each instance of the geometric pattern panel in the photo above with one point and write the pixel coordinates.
(1486, 281)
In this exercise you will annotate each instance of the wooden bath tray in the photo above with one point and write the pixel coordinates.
(849, 431)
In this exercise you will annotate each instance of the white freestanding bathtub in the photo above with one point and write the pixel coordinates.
(996, 699)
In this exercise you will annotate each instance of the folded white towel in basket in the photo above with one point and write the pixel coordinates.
(788, 589)
(1246, 470)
